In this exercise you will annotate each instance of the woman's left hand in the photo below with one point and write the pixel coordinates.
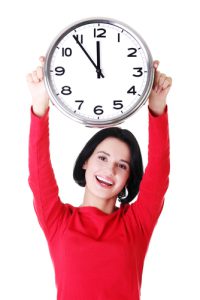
(160, 90)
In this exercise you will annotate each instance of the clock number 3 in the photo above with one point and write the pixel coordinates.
(139, 72)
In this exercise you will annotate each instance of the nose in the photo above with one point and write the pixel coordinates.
(111, 168)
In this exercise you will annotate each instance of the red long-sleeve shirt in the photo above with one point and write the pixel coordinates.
(98, 256)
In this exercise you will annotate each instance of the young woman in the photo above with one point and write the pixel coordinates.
(98, 249)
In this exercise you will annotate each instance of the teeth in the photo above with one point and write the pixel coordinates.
(104, 180)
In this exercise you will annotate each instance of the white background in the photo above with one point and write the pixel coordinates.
(170, 28)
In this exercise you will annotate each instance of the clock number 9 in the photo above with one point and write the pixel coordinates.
(59, 71)
(98, 110)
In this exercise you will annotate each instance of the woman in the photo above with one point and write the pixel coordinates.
(98, 249)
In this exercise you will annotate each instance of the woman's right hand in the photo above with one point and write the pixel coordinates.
(40, 97)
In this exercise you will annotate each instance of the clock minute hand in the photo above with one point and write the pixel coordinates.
(86, 53)
(98, 60)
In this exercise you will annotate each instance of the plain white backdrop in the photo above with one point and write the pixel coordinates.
(171, 30)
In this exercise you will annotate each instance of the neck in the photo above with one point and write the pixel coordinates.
(106, 205)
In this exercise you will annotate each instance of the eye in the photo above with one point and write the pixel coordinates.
(102, 157)
(122, 166)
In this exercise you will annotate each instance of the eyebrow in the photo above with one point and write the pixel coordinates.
(122, 160)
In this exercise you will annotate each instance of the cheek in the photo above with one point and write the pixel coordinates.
(123, 177)
(89, 172)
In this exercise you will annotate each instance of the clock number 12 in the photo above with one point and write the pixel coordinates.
(102, 33)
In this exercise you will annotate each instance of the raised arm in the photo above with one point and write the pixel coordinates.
(155, 181)
(40, 97)
(48, 207)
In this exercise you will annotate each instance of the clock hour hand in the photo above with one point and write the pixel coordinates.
(89, 57)
(98, 60)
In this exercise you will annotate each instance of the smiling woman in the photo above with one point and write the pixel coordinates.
(97, 250)
(106, 174)
(114, 155)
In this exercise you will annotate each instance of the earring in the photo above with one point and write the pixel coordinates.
(123, 194)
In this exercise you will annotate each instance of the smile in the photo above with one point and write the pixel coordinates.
(104, 181)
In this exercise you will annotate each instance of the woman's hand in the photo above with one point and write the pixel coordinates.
(40, 97)
(159, 92)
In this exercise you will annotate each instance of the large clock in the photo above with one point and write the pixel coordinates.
(98, 71)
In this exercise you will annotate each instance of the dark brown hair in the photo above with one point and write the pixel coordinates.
(136, 165)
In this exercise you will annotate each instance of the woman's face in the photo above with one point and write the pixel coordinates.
(108, 169)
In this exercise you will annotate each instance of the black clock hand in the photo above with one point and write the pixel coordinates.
(98, 60)
(76, 39)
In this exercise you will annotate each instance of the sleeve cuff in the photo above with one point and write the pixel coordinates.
(38, 125)
(34, 116)
(153, 115)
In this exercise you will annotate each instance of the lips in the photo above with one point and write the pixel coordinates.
(107, 182)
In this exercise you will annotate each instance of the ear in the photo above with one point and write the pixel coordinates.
(84, 167)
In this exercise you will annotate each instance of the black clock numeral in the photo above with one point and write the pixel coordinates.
(132, 90)
(79, 37)
(98, 110)
(133, 53)
(118, 37)
(66, 90)
(102, 33)
(81, 102)
(59, 71)
(117, 104)
(139, 72)
(66, 51)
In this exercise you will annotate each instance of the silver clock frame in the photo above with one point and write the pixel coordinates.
(84, 120)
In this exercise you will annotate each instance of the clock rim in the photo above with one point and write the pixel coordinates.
(84, 120)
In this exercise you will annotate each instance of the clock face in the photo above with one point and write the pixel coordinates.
(98, 72)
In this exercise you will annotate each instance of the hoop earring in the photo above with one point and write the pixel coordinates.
(123, 194)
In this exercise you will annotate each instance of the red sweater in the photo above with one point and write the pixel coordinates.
(98, 256)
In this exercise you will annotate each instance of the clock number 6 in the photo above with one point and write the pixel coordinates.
(98, 110)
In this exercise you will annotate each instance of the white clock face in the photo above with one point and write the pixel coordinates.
(98, 72)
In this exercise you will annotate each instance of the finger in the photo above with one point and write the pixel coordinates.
(39, 71)
(156, 80)
(167, 83)
(156, 64)
(42, 60)
(34, 76)
(29, 78)
(161, 80)
(156, 74)
(169, 80)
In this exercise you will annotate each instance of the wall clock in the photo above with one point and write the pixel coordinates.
(98, 72)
